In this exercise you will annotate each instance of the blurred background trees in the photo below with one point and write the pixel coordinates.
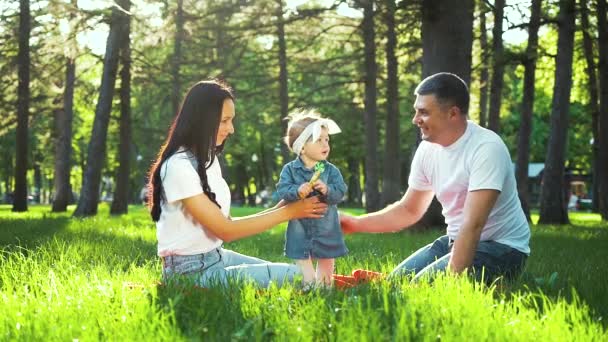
(89, 88)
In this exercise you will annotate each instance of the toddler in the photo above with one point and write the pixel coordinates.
(310, 174)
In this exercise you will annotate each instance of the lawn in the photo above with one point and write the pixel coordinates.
(66, 279)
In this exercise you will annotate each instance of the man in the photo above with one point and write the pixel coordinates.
(469, 169)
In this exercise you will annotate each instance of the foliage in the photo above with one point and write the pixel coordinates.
(237, 41)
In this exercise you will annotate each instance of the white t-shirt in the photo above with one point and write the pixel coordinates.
(176, 231)
(478, 160)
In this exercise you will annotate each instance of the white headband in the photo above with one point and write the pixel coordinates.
(314, 130)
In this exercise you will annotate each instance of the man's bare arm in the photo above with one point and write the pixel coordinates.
(477, 208)
(394, 217)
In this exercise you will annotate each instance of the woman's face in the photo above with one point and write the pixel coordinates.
(226, 128)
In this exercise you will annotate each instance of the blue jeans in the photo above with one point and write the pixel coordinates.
(491, 260)
(220, 266)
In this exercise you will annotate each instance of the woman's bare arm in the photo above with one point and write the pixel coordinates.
(204, 211)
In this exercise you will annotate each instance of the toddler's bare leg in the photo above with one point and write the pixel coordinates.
(308, 271)
(325, 270)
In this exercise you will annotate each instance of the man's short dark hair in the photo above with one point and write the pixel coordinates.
(448, 88)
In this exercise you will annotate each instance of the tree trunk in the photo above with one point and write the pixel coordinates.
(283, 89)
(96, 153)
(354, 185)
(593, 98)
(484, 75)
(177, 57)
(23, 107)
(603, 117)
(63, 145)
(372, 196)
(498, 67)
(391, 180)
(447, 39)
(37, 182)
(525, 125)
(120, 202)
(553, 204)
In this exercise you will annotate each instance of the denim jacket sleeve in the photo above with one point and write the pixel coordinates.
(336, 188)
(287, 188)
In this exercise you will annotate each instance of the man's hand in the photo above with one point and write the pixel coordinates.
(348, 223)
(320, 187)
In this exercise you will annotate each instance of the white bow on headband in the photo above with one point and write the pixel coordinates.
(314, 130)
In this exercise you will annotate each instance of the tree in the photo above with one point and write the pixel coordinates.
(593, 97)
(553, 202)
(283, 93)
(23, 107)
(63, 128)
(447, 38)
(391, 182)
(484, 73)
(602, 28)
(120, 202)
(523, 138)
(498, 67)
(176, 61)
(96, 153)
(372, 197)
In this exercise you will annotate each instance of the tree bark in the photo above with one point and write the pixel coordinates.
(593, 98)
(372, 196)
(120, 202)
(23, 107)
(177, 57)
(354, 185)
(498, 68)
(447, 39)
(525, 126)
(484, 72)
(391, 180)
(603, 117)
(63, 144)
(283, 89)
(553, 202)
(96, 153)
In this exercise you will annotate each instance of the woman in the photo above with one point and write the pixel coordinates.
(190, 200)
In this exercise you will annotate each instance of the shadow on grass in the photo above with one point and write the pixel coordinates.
(30, 232)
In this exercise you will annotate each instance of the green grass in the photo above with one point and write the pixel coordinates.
(64, 279)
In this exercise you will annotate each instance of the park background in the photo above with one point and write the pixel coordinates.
(89, 88)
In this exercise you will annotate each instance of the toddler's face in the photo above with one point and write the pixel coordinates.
(318, 150)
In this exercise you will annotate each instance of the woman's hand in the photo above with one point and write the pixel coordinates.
(307, 208)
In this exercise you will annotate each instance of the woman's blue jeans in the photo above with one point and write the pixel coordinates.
(491, 260)
(220, 266)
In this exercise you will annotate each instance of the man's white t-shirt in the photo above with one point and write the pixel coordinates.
(478, 160)
(176, 231)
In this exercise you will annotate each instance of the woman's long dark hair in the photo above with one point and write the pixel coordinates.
(195, 128)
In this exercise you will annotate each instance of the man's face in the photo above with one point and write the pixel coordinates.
(432, 118)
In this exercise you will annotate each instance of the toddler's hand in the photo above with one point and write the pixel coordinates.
(320, 187)
(304, 190)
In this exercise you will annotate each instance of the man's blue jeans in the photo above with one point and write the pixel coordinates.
(491, 260)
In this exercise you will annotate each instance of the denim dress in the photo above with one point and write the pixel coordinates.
(313, 238)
